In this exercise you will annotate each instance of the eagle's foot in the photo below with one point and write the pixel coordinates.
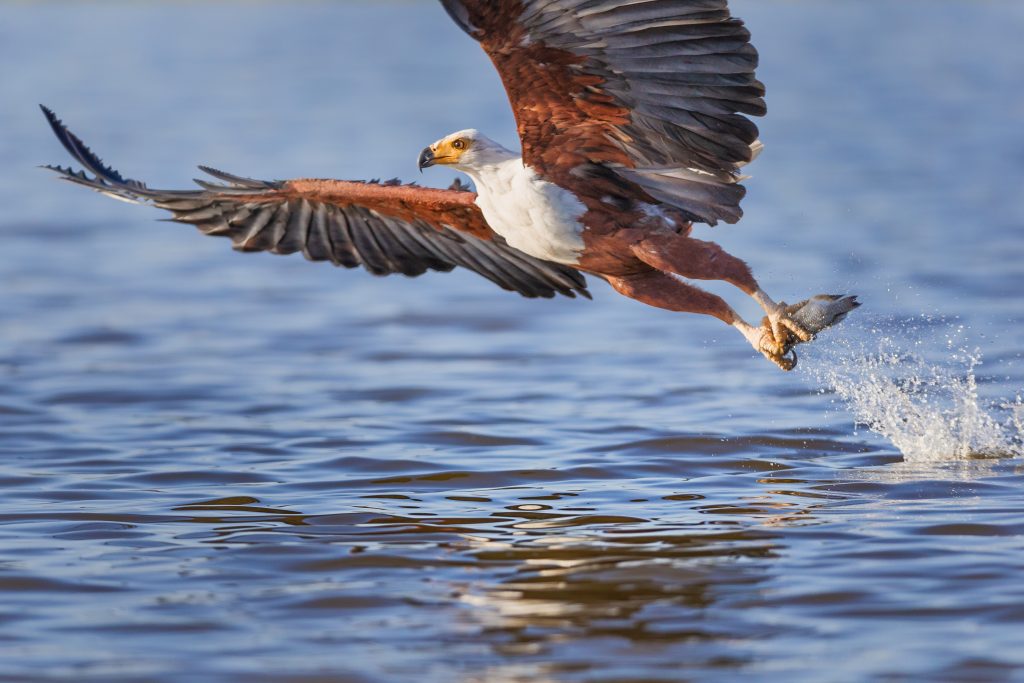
(776, 344)
(782, 323)
(787, 363)
(786, 331)
(764, 342)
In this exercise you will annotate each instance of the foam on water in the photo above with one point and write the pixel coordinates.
(914, 382)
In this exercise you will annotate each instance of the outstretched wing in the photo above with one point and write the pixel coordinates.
(384, 227)
(653, 89)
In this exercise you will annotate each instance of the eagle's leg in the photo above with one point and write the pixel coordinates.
(700, 260)
(662, 290)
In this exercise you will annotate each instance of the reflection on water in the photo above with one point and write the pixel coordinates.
(541, 583)
(220, 468)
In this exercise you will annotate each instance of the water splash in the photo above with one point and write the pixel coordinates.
(903, 381)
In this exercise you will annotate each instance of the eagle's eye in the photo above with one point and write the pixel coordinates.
(459, 144)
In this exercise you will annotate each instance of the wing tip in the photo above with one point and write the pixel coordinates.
(105, 175)
(457, 10)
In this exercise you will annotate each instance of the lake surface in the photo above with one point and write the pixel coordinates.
(224, 467)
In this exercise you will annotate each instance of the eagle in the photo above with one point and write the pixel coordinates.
(633, 118)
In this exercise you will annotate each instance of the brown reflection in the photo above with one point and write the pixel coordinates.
(236, 517)
(234, 504)
(598, 589)
(546, 583)
(567, 581)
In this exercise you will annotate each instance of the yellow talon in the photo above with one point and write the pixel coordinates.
(780, 353)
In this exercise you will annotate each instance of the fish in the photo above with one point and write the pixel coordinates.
(819, 313)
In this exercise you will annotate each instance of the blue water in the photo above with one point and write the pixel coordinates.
(224, 467)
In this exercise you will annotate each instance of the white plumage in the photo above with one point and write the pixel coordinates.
(533, 215)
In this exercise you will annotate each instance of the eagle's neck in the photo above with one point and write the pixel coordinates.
(491, 165)
(496, 173)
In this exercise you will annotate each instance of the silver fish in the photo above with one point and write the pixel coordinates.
(819, 313)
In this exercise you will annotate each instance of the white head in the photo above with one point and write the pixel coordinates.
(466, 150)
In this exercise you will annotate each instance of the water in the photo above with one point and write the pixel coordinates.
(219, 467)
(931, 410)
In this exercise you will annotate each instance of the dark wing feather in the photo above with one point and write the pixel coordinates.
(383, 227)
(656, 90)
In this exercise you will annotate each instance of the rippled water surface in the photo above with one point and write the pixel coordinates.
(248, 468)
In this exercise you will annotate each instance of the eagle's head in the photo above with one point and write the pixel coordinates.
(464, 150)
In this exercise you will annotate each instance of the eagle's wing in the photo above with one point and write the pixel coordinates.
(654, 90)
(384, 227)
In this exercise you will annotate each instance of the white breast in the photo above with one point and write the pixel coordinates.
(533, 215)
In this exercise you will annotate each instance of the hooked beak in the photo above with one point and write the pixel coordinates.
(426, 159)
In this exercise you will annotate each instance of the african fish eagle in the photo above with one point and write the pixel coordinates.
(632, 116)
